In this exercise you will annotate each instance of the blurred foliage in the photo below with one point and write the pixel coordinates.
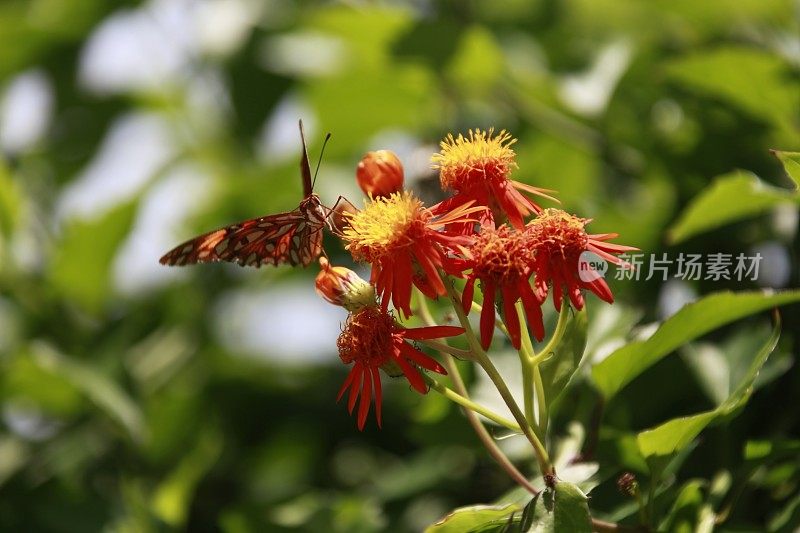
(134, 398)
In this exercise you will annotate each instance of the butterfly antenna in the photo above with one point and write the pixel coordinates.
(319, 162)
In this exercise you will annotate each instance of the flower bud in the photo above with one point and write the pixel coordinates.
(380, 173)
(341, 286)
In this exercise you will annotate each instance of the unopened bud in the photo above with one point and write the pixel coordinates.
(341, 286)
(627, 484)
(380, 173)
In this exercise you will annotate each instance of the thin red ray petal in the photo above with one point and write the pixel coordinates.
(432, 332)
(366, 400)
(347, 382)
(421, 359)
(376, 381)
(468, 295)
(487, 315)
(510, 315)
(425, 261)
(401, 296)
(510, 207)
(601, 289)
(358, 368)
(412, 374)
(533, 309)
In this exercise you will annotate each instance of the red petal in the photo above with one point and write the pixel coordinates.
(468, 295)
(487, 315)
(347, 382)
(432, 332)
(358, 368)
(426, 261)
(366, 399)
(401, 296)
(533, 309)
(376, 381)
(421, 359)
(511, 317)
(412, 374)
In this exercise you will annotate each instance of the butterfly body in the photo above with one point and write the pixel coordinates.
(293, 238)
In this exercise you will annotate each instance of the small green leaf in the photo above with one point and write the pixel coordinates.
(474, 518)
(685, 512)
(81, 267)
(97, 387)
(730, 198)
(558, 369)
(571, 509)
(676, 434)
(694, 320)
(791, 163)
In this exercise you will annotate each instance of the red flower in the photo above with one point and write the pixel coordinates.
(559, 239)
(373, 340)
(478, 169)
(380, 173)
(403, 242)
(502, 260)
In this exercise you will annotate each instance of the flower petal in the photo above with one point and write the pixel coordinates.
(468, 295)
(366, 399)
(510, 316)
(358, 369)
(412, 374)
(432, 332)
(376, 381)
(421, 359)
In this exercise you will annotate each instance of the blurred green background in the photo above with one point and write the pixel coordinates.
(141, 398)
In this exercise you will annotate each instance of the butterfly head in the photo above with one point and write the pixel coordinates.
(313, 210)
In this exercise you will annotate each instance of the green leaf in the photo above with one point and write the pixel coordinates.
(559, 369)
(98, 388)
(474, 518)
(754, 81)
(81, 266)
(730, 198)
(571, 509)
(791, 163)
(172, 498)
(683, 516)
(694, 320)
(676, 434)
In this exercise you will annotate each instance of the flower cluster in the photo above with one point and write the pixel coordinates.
(488, 232)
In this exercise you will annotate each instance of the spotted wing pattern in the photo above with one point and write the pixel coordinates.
(286, 238)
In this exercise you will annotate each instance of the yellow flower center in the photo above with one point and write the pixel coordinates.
(556, 232)
(464, 162)
(502, 254)
(385, 225)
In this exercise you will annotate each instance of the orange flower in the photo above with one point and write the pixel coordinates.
(559, 239)
(502, 260)
(477, 168)
(380, 173)
(372, 340)
(402, 240)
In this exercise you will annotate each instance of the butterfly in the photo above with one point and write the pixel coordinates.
(294, 237)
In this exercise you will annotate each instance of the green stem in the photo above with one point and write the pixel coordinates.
(541, 400)
(483, 435)
(444, 347)
(526, 355)
(561, 326)
(488, 367)
(469, 404)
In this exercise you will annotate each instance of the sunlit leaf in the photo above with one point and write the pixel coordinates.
(571, 509)
(674, 435)
(691, 322)
(475, 518)
(730, 198)
(791, 163)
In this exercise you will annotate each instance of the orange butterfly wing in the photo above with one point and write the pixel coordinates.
(286, 238)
